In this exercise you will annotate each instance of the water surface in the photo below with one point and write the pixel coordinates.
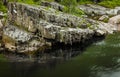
(100, 59)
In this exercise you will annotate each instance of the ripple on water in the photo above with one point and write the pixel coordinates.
(109, 74)
(115, 45)
(104, 72)
(100, 43)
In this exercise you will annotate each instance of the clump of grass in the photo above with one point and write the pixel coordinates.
(85, 1)
(73, 10)
(71, 7)
(110, 3)
(27, 1)
(2, 7)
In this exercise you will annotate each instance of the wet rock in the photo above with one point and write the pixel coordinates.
(33, 46)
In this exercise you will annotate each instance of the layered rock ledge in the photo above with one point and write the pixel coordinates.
(29, 28)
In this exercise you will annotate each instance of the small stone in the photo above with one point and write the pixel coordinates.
(10, 47)
(102, 18)
(100, 32)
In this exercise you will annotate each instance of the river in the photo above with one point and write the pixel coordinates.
(100, 59)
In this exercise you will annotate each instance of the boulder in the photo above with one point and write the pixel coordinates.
(115, 21)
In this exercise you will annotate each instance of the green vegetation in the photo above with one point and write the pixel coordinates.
(85, 2)
(70, 5)
(110, 3)
(73, 10)
(2, 7)
(24, 1)
(27, 1)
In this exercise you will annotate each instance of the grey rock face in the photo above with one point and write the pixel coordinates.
(37, 26)
(91, 9)
(17, 34)
(21, 41)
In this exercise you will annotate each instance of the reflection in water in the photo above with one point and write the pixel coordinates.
(101, 59)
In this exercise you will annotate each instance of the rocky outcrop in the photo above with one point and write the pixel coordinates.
(31, 27)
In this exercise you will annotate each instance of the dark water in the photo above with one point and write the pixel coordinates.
(101, 59)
